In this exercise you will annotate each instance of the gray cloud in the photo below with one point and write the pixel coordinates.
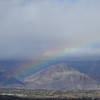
(29, 28)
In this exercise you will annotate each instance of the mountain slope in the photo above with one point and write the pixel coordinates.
(10, 82)
(89, 67)
(60, 77)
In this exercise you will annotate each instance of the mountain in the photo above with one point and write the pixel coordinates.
(71, 74)
(89, 67)
(60, 77)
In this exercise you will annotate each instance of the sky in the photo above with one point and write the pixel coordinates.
(32, 29)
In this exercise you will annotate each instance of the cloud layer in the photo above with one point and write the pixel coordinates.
(31, 28)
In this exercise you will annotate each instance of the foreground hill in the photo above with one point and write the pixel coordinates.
(60, 77)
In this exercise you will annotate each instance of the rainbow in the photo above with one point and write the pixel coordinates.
(33, 67)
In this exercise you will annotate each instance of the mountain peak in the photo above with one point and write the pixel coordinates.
(60, 77)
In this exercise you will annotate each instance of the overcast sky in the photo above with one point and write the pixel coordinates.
(39, 28)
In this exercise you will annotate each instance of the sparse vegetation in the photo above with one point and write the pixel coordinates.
(17, 94)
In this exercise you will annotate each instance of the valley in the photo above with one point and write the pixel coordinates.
(22, 94)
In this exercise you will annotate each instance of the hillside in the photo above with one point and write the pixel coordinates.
(60, 77)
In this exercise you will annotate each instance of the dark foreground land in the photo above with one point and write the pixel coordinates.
(22, 98)
(22, 94)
